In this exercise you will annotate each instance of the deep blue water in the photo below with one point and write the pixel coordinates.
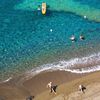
(25, 37)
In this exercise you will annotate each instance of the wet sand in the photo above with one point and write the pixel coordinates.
(69, 91)
(67, 87)
(16, 90)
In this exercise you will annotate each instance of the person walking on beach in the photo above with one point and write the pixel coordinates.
(82, 88)
(52, 87)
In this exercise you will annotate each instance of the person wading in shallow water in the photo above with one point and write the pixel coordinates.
(52, 88)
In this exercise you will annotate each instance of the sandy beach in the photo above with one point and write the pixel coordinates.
(37, 48)
(67, 87)
(16, 90)
(69, 91)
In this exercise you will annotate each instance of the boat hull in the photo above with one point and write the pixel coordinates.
(43, 8)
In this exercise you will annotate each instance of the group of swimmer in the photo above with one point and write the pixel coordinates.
(73, 38)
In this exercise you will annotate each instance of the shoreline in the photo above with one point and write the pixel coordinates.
(57, 77)
(16, 90)
(69, 91)
(67, 83)
(85, 64)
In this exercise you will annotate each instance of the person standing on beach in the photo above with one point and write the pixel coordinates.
(49, 85)
(52, 88)
(82, 88)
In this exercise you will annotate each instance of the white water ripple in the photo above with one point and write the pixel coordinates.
(6, 80)
(87, 64)
(76, 65)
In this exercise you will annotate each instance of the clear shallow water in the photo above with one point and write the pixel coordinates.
(93, 3)
(27, 43)
(76, 7)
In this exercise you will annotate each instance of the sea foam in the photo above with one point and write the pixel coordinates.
(82, 65)
(87, 64)
(6, 80)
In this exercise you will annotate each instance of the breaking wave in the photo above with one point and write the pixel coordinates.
(77, 65)
(6, 80)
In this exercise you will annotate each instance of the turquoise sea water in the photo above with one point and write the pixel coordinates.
(93, 3)
(86, 8)
(26, 41)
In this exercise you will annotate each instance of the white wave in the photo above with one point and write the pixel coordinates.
(6, 80)
(93, 61)
(83, 70)
(69, 66)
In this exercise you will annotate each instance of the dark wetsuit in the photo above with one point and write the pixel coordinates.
(53, 88)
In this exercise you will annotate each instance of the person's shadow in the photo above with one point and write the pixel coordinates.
(83, 89)
(30, 98)
(54, 88)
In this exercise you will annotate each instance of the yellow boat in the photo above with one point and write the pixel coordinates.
(43, 8)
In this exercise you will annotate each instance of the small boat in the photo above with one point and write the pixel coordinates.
(72, 38)
(44, 8)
